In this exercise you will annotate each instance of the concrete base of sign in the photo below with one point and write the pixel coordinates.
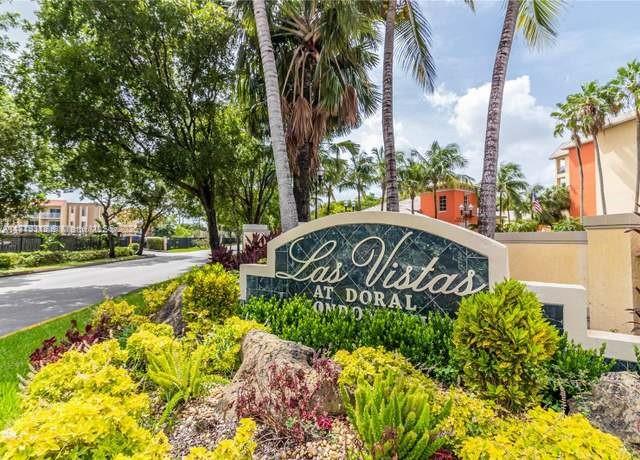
(573, 299)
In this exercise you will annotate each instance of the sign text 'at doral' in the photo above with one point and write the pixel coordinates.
(415, 265)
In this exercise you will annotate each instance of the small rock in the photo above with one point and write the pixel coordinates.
(171, 312)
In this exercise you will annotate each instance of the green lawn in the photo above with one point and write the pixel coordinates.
(47, 268)
(16, 348)
(187, 249)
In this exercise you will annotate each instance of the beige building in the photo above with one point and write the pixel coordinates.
(618, 153)
(62, 213)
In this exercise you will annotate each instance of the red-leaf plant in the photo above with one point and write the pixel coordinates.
(289, 404)
(254, 250)
(51, 350)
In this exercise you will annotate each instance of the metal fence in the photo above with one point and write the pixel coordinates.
(30, 243)
(185, 242)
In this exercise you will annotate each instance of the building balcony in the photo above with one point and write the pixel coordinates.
(50, 215)
(562, 170)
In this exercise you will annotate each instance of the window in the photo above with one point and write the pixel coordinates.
(33, 222)
(562, 165)
(465, 201)
(72, 210)
(562, 181)
(84, 212)
(442, 203)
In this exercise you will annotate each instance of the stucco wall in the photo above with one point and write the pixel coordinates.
(618, 154)
(548, 257)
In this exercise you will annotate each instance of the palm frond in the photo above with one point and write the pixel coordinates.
(537, 19)
(414, 39)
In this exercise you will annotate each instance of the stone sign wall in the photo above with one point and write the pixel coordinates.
(378, 260)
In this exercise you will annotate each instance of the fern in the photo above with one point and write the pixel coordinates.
(178, 373)
(396, 418)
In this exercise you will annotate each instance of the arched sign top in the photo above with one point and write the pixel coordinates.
(378, 260)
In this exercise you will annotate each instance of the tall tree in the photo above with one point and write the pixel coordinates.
(569, 119)
(511, 187)
(360, 176)
(536, 19)
(412, 181)
(414, 52)
(288, 213)
(150, 77)
(594, 104)
(149, 202)
(381, 167)
(335, 169)
(440, 165)
(627, 83)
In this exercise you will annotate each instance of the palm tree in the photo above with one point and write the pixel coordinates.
(412, 179)
(440, 164)
(361, 175)
(536, 19)
(288, 214)
(627, 82)
(335, 168)
(569, 119)
(594, 104)
(511, 186)
(414, 40)
(326, 52)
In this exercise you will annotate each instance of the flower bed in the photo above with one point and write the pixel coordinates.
(493, 383)
(11, 260)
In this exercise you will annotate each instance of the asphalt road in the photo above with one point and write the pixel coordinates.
(29, 299)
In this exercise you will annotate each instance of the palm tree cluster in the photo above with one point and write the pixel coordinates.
(584, 115)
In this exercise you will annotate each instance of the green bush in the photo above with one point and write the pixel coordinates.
(124, 251)
(504, 344)
(211, 293)
(39, 258)
(570, 224)
(9, 260)
(155, 243)
(84, 256)
(134, 247)
(425, 342)
(396, 419)
(521, 226)
(572, 371)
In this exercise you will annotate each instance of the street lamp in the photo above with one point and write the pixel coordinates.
(466, 211)
(319, 176)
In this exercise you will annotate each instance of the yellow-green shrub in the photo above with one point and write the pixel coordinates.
(84, 427)
(155, 298)
(545, 434)
(80, 373)
(117, 314)
(241, 447)
(369, 362)
(504, 344)
(149, 338)
(223, 344)
(469, 416)
(211, 292)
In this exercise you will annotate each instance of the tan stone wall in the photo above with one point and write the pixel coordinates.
(547, 257)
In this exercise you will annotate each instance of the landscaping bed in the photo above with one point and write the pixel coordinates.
(12, 263)
(276, 379)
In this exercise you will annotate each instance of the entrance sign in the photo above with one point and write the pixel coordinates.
(377, 260)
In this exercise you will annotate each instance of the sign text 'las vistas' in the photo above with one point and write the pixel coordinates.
(377, 260)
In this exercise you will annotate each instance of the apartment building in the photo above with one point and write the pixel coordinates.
(455, 205)
(618, 154)
(62, 213)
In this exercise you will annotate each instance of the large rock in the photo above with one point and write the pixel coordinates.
(171, 312)
(613, 405)
(260, 353)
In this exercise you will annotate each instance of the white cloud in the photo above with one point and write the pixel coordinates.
(441, 97)
(526, 133)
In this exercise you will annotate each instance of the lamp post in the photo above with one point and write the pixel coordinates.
(319, 176)
(466, 211)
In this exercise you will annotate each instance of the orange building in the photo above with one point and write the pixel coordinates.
(451, 204)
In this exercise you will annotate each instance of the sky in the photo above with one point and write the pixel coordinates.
(594, 39)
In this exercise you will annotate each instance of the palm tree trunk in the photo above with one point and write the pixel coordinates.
(500, 208)
(637, 197)
(435, 202)
(600, 176)
(413, 197)
(487, 205)
(508, 208)
(393, 202)
(382, 187)
(329, 202)
(579, 151)
(288, 215)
